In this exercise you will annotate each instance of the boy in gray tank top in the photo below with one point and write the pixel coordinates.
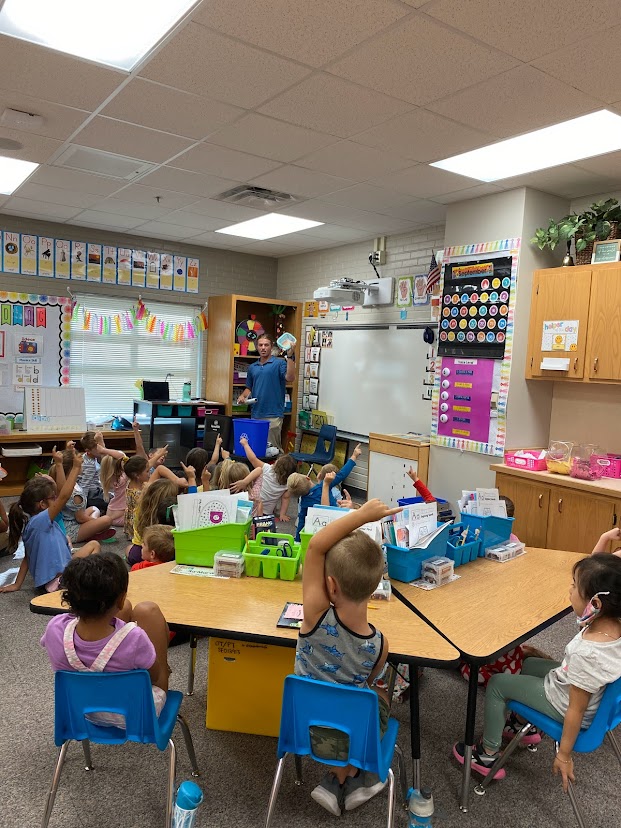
(342, 569)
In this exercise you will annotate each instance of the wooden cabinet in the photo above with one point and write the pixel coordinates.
(558, 512)
(531, 502)
(226, 313)
(390, 457)
(590, 295)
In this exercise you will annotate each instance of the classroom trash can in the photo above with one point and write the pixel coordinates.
(255, 431)
(234, 667)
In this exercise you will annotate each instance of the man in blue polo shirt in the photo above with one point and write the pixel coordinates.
(266, 382)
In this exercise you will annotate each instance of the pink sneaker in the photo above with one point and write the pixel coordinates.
(513, 727)
(481, 762)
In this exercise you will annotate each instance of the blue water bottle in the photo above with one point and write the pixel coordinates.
(420, 807)
(189, 797)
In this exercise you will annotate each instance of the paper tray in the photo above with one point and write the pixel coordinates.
(17, 450)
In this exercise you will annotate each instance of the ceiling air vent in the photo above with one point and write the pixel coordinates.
(248, 195)
(102, 163)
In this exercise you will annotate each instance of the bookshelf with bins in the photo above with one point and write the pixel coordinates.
(225, 368)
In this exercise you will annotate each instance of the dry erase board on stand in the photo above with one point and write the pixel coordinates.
(54, 409)
(373, 379)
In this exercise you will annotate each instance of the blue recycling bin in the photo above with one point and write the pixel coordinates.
(255, 431)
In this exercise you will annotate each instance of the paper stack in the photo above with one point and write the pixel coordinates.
(196, 511)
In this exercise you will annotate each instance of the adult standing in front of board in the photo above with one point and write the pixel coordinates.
(266, 382)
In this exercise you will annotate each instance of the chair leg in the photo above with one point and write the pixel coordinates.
(403, 780)
(49, 803)
(572, 797)
(86, 747)
(172, 768)
(298, 770)
(615, 745)
(187, 737)
(502, 760)
(192, 665)
(274, 791)
(391, 798)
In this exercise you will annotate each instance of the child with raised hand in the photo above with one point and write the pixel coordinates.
(611, 536)
(114, 480)
(313, 496)
(571, 691)
(273, 482)
(102, 633)
(420, 487)
(82, 522)
(94, 448)
(342, 569)
(158, 547)
(33, 519)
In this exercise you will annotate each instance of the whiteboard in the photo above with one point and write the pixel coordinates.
(372, 380)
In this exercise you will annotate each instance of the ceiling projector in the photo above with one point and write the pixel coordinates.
(350, 292)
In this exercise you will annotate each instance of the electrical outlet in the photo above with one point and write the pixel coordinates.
(378, 257)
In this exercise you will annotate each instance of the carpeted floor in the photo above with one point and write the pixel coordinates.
(127, 788)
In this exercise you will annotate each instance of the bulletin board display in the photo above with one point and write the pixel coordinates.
(34, 345)
(471, 382)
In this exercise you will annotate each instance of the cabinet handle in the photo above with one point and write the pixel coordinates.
(595, 362)
(576, 364)
(560, 505)
(541, 501)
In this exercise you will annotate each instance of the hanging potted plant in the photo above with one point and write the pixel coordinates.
(598, 223)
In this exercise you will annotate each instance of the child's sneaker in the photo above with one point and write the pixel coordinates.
(481, 761)
(329, 794)
(513, 727)
(107, 536)
(359, 789)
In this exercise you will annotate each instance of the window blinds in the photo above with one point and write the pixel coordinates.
(107, 366)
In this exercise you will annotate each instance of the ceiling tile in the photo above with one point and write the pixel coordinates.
(227, 163)
(127, 139)
(333, 105)
(423, 136)
(518, 101)
(74, 180)
(35, 147)
(94, 218)
(420, 211)
(195, 221)
(301, 182)
(56, 195)
(353, 161)
(161, 230)
(182, 181)
(367, 197)
(117, 206)
(225, 211)
(332, 232)
(464, 195)
(319, 210)
(583, 65)
(270, 138)
(526, 29)
(52, 76)
(420, 60)
(423, 181)
(31, 207)
(212, 239)
(197, 60)
(140, 194)
(567, 181)
(311, 33)
(58, 121)
(171, 110)
(608, 165)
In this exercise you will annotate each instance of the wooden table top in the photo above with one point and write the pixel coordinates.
(494, 606)
(249, 608)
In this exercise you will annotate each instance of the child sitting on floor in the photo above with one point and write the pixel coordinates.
(114, 480)
(342, 569)
(94, 448)
(273, 482)
(102, 633)
(82, 522)
(147, 513)
(569, 692)
(158, 547)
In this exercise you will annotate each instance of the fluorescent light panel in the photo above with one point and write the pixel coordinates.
(269, 226)
(116, 33)
(583, 137)
(13, 173)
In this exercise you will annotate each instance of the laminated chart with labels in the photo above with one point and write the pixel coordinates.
(54, 409)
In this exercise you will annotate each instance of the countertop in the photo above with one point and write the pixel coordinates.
(608, 486)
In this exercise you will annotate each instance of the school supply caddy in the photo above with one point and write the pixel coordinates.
(417, 537)
(484, 514)
(209, 522)
(263, 559)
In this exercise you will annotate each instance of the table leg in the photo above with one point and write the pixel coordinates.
(471, 711)
(192, 665)
(415, 725)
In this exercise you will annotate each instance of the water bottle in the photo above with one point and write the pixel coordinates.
(420, 807)
(187, 391)
(189, 797)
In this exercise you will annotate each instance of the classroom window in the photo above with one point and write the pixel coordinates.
(107, 366)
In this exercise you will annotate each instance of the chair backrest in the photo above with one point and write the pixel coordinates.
(326, 440)
(128, 694)
(352, 710)
(607, 717)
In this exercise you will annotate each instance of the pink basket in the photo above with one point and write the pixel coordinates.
(524, 462)
(609, 464)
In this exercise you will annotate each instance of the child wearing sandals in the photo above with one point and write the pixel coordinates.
(571, 691)
(102, 632)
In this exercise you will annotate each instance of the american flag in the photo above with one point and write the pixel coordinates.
(433, 277)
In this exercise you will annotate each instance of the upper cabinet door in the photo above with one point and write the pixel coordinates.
(604, 354)
(559, 294)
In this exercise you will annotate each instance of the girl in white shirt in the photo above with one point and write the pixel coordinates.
(571, 691)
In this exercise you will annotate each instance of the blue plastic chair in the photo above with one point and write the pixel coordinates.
(607, 717)
(352, 710)
(129, 694)
(324, 448)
